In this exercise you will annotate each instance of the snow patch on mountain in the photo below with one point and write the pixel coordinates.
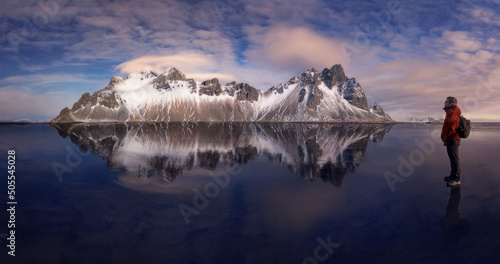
(425, 119)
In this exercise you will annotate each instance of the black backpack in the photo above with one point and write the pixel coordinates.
(463, 128)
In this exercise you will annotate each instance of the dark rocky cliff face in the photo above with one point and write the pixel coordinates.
(84, 100)
(115, 80)
(378, 110)
(175, 75)
(64, 116)
(102, 105)
(347, 87)
(311, 80)
(333, 76)
(354, 94)
(211, 87)
(110, 100)
(245, 92)
(230, 88)
(161, 83)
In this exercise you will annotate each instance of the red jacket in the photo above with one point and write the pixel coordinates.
(450, 124)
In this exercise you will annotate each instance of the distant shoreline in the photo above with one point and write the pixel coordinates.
(235, 122)
(203, 122)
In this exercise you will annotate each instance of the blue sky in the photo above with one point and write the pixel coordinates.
(407, 55)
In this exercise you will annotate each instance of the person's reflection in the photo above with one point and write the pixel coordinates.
(453, 227)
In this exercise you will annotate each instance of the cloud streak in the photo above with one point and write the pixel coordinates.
(48, 79)
(19, 104)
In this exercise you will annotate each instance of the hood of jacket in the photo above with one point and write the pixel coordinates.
(454, 108)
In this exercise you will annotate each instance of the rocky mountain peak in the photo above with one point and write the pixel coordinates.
(143, 75)
(348, 88)
(352, 92)
(161, 82)
(377, 109)
(245, 92)
(310, 77)
(214, 81)
(310, 80)
(115, 80)
(84, 100)
(333, 76)
(175, 75)
(211, 87)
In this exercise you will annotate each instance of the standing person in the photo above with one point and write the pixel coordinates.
(451, 139)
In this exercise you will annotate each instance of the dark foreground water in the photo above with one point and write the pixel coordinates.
(238, 193)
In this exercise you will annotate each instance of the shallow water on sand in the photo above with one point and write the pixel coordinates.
(250, 193)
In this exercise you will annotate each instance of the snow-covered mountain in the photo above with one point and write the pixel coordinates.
(24, 120)
(424, 120)
(147, 96)
(313, 151)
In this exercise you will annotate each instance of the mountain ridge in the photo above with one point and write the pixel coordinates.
(147, 96)
(424, 119)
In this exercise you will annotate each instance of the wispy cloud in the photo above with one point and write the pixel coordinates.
(16, 104)
(14, 79)
(47, 79)
(486, 15)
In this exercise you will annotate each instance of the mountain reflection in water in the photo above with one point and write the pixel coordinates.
(167, 150)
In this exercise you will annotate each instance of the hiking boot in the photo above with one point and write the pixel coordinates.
(453, 183)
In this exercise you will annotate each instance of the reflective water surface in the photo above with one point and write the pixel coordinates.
(250, 193)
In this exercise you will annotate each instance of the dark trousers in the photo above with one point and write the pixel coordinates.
(452, 149)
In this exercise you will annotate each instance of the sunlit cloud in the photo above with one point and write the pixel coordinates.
(460, 41)
(295, 48)
(486, 15)
(195, 65)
